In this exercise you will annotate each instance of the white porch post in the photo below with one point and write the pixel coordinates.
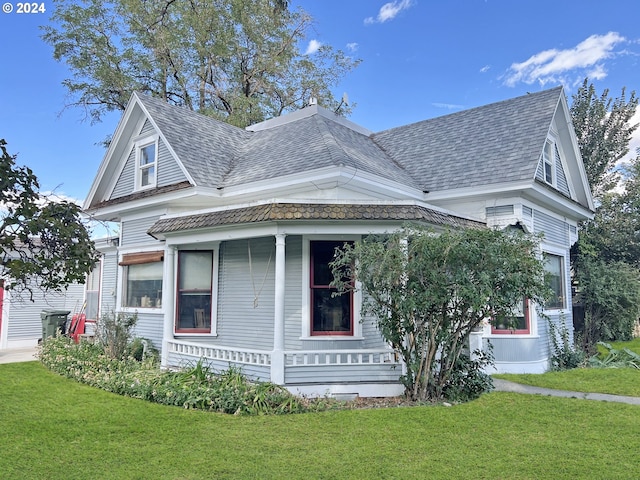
(277, 355)
(168, 301)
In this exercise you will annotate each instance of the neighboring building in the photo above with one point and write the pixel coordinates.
(225, 233)
(20, 319)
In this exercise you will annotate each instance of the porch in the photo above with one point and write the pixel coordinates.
(364, 372)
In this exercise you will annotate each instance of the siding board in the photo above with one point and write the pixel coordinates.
(241, 322)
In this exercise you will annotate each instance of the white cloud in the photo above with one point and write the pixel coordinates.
(485, 69)
(352, 47)
(389, 11)
(448, 106)
(313, 47)
(553, 66)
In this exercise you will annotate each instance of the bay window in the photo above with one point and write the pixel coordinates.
(519, 322)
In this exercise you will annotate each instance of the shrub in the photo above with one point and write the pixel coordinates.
(615, 358)
(115, 332)
(196, 387)
(565, 354)
(468, 379)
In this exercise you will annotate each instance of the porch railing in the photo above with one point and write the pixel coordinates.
(340, 357)
(297, 358)
(226, 354)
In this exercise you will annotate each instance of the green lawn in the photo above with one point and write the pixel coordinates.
(616, 381)
(54, 428)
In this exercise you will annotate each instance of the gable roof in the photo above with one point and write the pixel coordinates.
(204, 145)
(495, 143)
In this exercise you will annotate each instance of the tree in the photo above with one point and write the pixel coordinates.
(43, 243)
(603, 132)
(428, 291)
(610, 295)
(614, 233)
(235, 60)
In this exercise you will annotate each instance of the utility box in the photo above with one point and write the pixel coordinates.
(52, 320)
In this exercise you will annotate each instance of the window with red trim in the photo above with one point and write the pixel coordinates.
(195, 281)
(518, 322)
(330, 314)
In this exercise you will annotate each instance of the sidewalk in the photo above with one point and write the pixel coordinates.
(506, 386)
(15, 355)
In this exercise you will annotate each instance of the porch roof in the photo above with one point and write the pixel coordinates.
(307, 211)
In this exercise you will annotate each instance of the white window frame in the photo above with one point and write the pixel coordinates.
(562, 254)
(139, 145)
(550, 160)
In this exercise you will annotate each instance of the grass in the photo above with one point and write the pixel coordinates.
(615, 381)
(55, 428)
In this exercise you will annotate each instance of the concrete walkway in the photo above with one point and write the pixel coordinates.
(506, 386)
(15, 355)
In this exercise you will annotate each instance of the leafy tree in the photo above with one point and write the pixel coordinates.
(603, 132)
(610, 295)
(236, 60)
(607, 255)
(614, 233)
(428, 291)
(43, 243)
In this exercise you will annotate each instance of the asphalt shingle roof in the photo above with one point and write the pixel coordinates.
(308, 144)
(204, 145)
(495, 143)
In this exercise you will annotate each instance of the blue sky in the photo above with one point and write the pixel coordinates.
(420, 59)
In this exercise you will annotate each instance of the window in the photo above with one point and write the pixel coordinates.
(195, 281)
(548, 157)
(146, 169)
(518, 322)
(92, 293)
(143, 285)
(554, 269)
(330, 315)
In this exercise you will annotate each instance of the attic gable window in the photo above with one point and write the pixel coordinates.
(548, 156)
(146, 162)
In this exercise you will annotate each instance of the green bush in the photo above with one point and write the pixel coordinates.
(195, 387)
(468, 380)
(565, 355)
(614, 358)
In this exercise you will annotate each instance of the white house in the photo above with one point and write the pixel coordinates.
(225, 233)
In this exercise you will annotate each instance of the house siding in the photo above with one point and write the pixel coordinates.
(168, 170)
(555, 230)
(150, 326)
(293, 293)
(135, 231)
(241, 322)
